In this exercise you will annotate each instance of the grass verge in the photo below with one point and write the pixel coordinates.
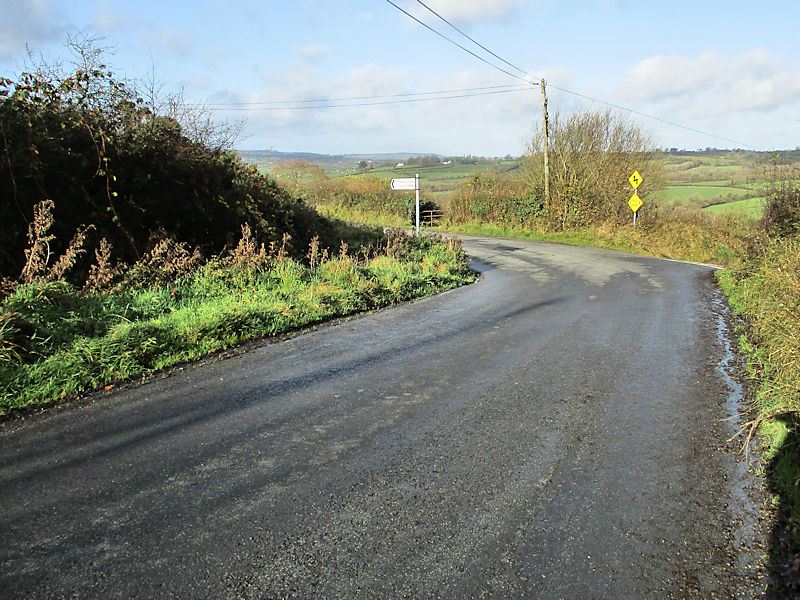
(57, 341)
(764, 289)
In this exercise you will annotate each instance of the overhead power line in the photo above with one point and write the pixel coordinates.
(653, 117)
(516, 87)
(398, 99)
(578, 94)
(480, 58)
(481, 46)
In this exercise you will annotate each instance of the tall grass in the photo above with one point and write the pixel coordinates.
(58, 340)
(493, 197)
(764, 289)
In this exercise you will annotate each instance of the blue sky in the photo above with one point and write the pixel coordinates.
(729, 69)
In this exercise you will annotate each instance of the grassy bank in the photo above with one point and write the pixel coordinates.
(58, 340)
(764, 289)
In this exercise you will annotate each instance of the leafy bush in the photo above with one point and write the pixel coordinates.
(87, 144)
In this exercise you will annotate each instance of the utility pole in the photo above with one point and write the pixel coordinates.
(546, 147)
(416, 187)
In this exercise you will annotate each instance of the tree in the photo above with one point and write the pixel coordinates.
(88, 142)
(592, 154)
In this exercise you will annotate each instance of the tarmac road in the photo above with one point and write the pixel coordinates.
(556, 430)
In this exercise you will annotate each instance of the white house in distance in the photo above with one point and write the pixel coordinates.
(400, 165)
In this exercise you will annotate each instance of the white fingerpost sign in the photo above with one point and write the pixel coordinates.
(404, 183)
(408, 183)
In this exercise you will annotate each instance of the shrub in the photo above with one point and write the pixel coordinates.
(494, 197)
(782, 209)
(591, 156)
(365, 192)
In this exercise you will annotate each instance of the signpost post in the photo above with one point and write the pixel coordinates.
(408, 183)
(635, 202)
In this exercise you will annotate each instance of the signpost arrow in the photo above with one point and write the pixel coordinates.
(404, 183)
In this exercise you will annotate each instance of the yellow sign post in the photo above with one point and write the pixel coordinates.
(635, 202)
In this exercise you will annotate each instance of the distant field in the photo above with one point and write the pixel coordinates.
(719, 182)
(750, 207)
(436, 179)
(704, 194)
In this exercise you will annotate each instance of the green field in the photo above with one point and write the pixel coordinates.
(436, 181)
(442, 178)
(752, 208)
(703, 194)
(719, 183)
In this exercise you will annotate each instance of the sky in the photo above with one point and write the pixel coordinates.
(695, 74)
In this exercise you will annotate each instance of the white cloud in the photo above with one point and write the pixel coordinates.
(166, 39)
(474, 10)
(660, 77)
(371, 80)
(312, 52)
(762, 82)
(28, 22)
(107, 20)
(711, 84)
(479, 124)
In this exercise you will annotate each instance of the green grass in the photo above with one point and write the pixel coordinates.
(361, 216)
(764, 289)
(689, 238)
(704, 194)
(56, 342)
(751, 208)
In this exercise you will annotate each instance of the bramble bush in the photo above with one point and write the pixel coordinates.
(117, 170)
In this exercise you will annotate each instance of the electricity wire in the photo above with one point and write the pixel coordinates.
(481, 46)
(480, 58)
(516, 87)
(653, 117)
(379, 103)
(578, 94)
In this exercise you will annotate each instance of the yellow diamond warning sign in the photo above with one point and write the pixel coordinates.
(635, 180)
(635, 202)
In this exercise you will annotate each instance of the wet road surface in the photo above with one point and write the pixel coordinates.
(556, 430)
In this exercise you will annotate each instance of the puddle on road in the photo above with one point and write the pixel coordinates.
(744, 509)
